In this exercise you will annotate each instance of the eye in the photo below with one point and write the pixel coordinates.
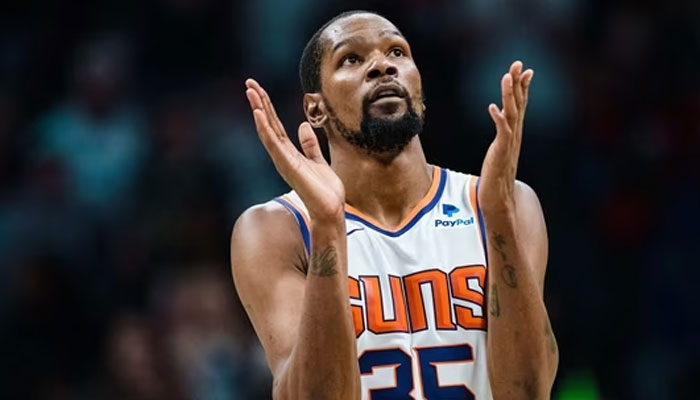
(397, 52)
(350, 59)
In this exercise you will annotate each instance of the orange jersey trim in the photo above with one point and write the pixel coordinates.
(432, 192)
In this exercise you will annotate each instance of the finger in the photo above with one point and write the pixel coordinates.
(499, 119)
(516, 68)
(509, 107)
(272, 141)
(267, 103)
(262, 123)
(253, 99)
(309, 143)
(526, 80)
(268, 107)
(516, 72)
(265, 132)
(283, 154)
(525, 85)
(249, 83)
(256, 96)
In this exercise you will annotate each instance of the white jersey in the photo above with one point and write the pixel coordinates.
(417, 294)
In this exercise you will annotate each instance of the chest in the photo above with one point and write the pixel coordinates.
(429, 278)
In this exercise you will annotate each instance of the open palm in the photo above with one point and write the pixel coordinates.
(308, 174)
(496, 190)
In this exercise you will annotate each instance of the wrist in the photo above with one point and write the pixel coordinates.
(328, 215)
(328, 226)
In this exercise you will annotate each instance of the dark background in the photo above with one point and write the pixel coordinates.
(127, 150)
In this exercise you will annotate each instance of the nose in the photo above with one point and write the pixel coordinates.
(381, 66)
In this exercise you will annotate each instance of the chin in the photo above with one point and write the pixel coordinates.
(391, 116)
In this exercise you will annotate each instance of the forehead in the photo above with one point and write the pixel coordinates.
(357, 26)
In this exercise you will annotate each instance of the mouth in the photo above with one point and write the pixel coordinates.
(388, 92)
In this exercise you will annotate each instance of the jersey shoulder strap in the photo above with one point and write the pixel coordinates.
(295, 206)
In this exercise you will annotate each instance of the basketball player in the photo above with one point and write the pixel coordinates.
(370, 279)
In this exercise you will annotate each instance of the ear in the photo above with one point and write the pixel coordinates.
(315, 109)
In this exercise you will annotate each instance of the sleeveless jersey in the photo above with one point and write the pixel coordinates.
(417, 294)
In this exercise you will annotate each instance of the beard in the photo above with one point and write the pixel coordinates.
(381, 137)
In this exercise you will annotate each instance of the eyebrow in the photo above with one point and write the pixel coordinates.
(351, 39)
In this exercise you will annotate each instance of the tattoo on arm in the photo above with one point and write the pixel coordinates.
(494, 305)
(499, 241)
(508, 272)
(323, 262)
(508, 275)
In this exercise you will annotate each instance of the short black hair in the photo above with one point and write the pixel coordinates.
(310, 63)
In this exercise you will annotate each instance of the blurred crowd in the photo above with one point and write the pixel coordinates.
(127, 151)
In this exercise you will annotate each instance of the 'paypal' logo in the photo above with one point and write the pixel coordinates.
(451, 223)
(449, 209)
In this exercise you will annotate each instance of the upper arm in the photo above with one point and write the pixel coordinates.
(266, 254)
(531, 228)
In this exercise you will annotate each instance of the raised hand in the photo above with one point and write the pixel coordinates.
(496, 189)
(308, 174)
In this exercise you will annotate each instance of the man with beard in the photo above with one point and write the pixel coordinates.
(411, 245)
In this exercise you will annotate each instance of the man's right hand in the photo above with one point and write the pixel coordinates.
(304, 321)
(308, 174)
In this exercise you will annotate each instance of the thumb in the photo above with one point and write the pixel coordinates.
(309, 143)
(499, 118)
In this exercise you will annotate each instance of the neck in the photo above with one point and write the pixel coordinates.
(386, 191)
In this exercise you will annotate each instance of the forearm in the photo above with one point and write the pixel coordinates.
(522, 351)
(323, 363)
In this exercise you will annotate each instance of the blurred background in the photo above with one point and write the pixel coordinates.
(127, 151)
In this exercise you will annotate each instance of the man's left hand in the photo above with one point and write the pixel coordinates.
(496, 189)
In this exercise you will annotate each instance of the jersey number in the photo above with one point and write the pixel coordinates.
(428, 360)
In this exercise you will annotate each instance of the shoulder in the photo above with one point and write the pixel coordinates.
(531, 227)
(526, 200)
(262, 216)
(263, 233)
